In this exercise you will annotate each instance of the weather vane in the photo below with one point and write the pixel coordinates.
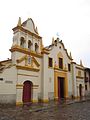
(57, 34)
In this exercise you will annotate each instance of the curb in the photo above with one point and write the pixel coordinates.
(63, 104)
(78, 101)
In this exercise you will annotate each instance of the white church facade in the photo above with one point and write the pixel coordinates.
(36, 73)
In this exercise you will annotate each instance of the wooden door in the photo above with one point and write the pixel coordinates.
(27, 91)
(60, 87)
(80, 90)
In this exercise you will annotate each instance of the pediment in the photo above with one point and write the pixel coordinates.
(60, 47)
(28, 60)
(29, 25)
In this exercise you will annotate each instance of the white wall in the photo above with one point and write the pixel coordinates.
(8, 85)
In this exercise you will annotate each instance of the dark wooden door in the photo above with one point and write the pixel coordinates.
(27, 91)
(80, 90)
(60, 87)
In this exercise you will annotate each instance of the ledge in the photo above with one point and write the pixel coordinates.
(27, 68)
(60, 69)
(26, 31)
(79, 77)
(25, 51)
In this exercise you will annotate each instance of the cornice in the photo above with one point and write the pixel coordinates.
(25, 51)
(27, 68)
(19, 85)
(80, 77)
(80, 68)
(65, 49)
(27, 75)
(35, 85)
(55, 68)
(9, 60)
(45, 52)
(26, 31)
(73, 62)
(35, 61)
(21, 59)
(46, 49)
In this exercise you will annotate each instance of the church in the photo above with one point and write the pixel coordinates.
(36, 73)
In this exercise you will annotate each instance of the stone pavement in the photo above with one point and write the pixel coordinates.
(43, 106)
(63, 110)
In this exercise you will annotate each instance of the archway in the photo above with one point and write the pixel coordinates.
(22, 42)
(80, 90)
(27, 91)
(36, 47)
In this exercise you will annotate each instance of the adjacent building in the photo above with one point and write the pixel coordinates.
(36, 73)
(87, 81)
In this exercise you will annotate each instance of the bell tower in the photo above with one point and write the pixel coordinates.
(26, 40)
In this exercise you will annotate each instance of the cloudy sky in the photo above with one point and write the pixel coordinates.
(69, 18)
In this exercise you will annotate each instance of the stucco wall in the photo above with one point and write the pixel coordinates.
(8, 85)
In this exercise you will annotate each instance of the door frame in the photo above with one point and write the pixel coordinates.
(60, 87)
(62, 74)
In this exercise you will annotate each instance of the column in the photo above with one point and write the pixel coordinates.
(19, 94)
(45, 79)
(35, 95)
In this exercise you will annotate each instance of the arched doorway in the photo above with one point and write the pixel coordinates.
(80, 90)
(27, 91)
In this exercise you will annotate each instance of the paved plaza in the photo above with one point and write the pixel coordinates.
(52, 111)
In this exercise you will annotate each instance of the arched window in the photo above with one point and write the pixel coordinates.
(36, 47)
(22, 42)
(29, 44)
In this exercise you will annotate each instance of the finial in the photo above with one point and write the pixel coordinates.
(52, 40)
(19, 22)
(70, 55)
(36, 30)
(81, 63)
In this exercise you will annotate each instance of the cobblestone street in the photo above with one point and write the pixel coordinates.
(53, 111)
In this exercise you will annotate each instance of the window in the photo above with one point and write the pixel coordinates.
(36, 47)
(29, 45)
(69, 67)
(50, 63)
(22, 42)
(1, 79)
(79, 73)
(85, 87)
(61, 63)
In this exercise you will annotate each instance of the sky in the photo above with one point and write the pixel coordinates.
(69, 18)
